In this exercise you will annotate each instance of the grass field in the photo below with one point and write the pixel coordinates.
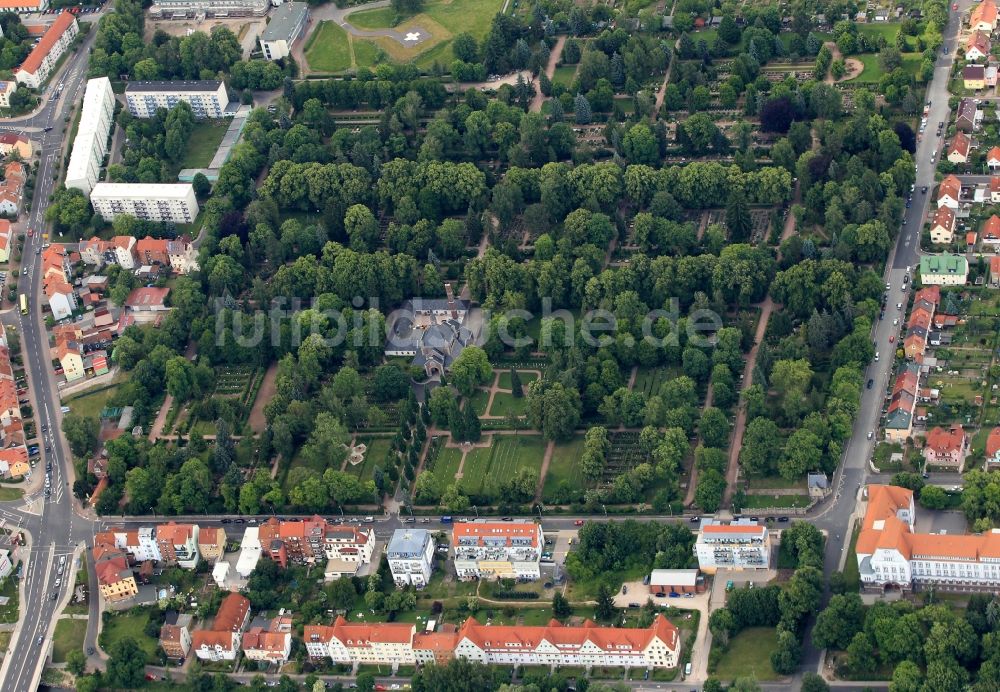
(91, 404)
(10, 494)
(486, 467)
(378, 447)
(204, 141)
(478, 400)
(564, 75)
(124, 626)
(749, 654)
(564, 466)
(68, 636)
(443, 19)
(525, 377)
(504, 403)
(446, 466)
(8, 613)
(328, 49)
(768, 501)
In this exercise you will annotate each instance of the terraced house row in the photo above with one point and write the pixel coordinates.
(554, 644)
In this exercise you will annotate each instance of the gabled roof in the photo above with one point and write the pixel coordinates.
(945, 218)
(34, 60)
(993, 155)
(979, 40)
(986, 11)
(993, 441)
(992, 227)
(942, 441)
(950, 186)
(960, 145)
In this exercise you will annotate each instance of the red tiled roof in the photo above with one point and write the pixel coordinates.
(960, 145)
(496, 529)
(950, 186)
(993, 441)
(945, 441)
(993, 155)
(34, 60)
(232, 613)
(144, 297)
(944, 217)
(986, 11)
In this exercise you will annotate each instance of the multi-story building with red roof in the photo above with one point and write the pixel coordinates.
(946, 447)
(554, 644)
(178, 544)
(222, 641)
(890, 554)
(497, 549)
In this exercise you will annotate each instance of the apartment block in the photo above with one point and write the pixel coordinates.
(43, 57)
(221, 642)
(207, 98)
(211, 543)
(555, 644)
(315, 539)
(286, 25)
(182, 9)
(497, 550)
(740, 544)
(174, 202)
(269, 641)
(411, 557)
(178, 544)
(114, 576)
(91, 144)
(175, 636)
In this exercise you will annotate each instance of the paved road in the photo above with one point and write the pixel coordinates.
(52, 523)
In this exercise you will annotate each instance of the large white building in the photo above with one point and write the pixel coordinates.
(91, 143)
(179, 9)
(497, 549)
(741, 544)
(287, 23)
(411, 557)
(890, 554)
(398, 644)
(207, 98)
(45, 55)
(151, 201)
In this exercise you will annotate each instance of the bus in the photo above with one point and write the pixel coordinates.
(24, 304)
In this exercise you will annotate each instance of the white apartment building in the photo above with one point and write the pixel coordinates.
(7, 88)
(6, 567)
(396, 644)
(154, 202)
(180, 9)
(287, 23)
(207, 98)
(45, 55)
(890, 554)
(91, 143)
(140, 544)
(497, 550)
(348, 543)
(411, 557)
(741, 544)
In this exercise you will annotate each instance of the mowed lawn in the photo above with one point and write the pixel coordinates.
(564, 466)
(504, 403)
(204, 142)
(446, 466)
(749, 654)
(68, 636)
(127, 626)
(526, 378)
(486, 467)
(328, 49)
(91, 405)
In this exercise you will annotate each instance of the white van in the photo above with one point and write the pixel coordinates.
(687, 669)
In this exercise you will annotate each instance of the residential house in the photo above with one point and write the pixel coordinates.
(178, 544)
(69, 353)
(13, 457)
(114, 576)
(991, 232)
(974, 77)
(61, 299)
(959, 150)
(899, 416)
(11, 189)
(994, 271)
(984, 16)
(44, 57)
(411, 557)
(222, 641)
(270, 641)
(943, 225)
(148, 300)
(152, 251)
(11, 143)
(183, 255)
(967, 116)
(175, 636)
(314, 539)
(977, 47)
(125, 253)
(7, 89)
(946, 447)
(993, 159)
(94, 252)
(993, 449)
(6, 566)
(211, 543)
(6, 240)
(944, 270)
(949, 192)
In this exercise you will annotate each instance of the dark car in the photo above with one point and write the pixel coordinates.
(924, 189)
(870, 383)
(783, 519)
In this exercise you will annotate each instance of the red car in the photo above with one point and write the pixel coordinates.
(30, 233)
(891, 339)
(578, 522)
(954, 6)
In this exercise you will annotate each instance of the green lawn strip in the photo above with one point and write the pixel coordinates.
(749, 654)
(564, 466)
(564, 75)
(129, 625)
(446, 466)
(68, 636)
(771, 482)
(769, 501)
(851, 574)
(366, 53)
(379, 18)
(485, 468)
(10, 494)
(328, 49)
(203, 143)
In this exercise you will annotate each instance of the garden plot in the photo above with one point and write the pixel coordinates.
(234, 380)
